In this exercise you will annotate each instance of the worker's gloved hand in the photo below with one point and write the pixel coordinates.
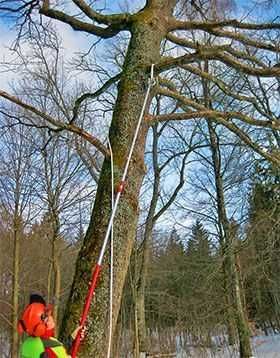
(76, 331)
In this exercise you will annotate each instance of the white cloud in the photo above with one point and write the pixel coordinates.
(72, 43)
(6, 40)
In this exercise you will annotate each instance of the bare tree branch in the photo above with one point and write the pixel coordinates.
(97, 93)
(79, 25)
(211, 53)
(58, 124)
(114, 19)
(216, 48)
(226, 89)
(272, 124)
(221, 118)
(247, 41)
(211, 25)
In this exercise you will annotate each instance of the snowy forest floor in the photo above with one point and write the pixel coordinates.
(263, 347)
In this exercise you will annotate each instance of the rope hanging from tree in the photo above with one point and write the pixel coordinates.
(97, 269)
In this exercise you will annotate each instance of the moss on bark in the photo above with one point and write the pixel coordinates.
(143, 50)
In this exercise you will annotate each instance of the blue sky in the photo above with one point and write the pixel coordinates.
(261, 13)
(77, 42)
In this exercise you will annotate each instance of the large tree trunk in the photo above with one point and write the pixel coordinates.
(147, 32)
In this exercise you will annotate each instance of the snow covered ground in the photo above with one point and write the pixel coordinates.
(266, 346)
(263, 347)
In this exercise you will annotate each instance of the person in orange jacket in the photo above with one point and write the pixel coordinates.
(38, 323)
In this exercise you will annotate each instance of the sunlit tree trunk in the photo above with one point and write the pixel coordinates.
(147, 31)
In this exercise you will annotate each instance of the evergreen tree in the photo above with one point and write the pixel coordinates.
(167, 278)
(199, 243)
(264, 238)
(202, 279)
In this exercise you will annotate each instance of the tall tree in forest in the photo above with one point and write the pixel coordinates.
(64, 183)
(235, 310)
(6, 284)
(263, 234)
(199, 242)
(168, 285)
(183, 295)
(160, 165)
(17, 185)
(157, 21)
(201, 271)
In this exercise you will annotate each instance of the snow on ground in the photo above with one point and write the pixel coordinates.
(263, 347)
(266, 346)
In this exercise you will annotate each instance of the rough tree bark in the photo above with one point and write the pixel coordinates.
(148, 29)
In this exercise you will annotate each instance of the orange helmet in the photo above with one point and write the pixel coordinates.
(33, 320)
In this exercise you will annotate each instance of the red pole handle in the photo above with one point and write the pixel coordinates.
(121, 186)
(90, 294)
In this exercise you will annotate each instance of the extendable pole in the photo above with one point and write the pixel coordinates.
(97, 269)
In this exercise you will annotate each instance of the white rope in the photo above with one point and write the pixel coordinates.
(110, 227)
(151, 83)
(111, 258)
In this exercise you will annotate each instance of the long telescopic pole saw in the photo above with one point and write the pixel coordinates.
(97, 269)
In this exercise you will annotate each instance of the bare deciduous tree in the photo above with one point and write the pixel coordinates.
(158, 21)
(16, 188)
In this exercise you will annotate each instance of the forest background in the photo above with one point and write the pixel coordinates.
(197, 232)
